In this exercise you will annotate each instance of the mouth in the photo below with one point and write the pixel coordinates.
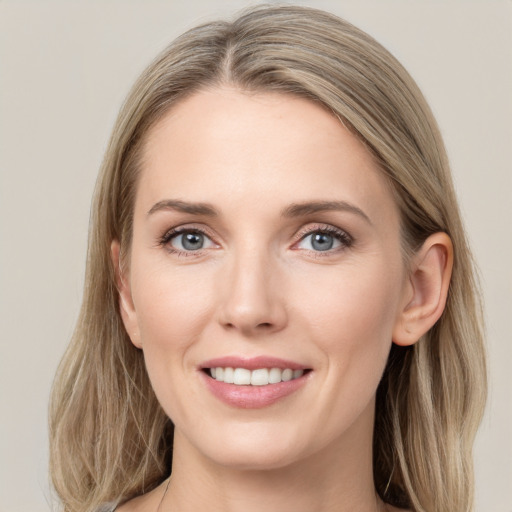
(253, 383)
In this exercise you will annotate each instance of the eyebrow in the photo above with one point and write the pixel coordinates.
(184, 207)
(308, 208)
(293, 210)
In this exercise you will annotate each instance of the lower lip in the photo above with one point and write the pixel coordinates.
(252, 397)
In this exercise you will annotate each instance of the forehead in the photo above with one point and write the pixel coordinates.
(221, 144)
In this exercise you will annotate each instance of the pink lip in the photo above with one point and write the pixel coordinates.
(252, 397)
(252, 363)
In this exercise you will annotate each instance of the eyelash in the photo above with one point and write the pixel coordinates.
(169, 235)
(341, 236)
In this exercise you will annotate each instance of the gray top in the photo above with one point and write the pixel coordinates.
(107, 507)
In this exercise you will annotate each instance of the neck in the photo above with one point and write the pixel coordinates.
(338, 478)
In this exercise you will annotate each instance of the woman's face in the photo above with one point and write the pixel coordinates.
(266, 241)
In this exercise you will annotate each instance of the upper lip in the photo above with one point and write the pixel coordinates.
(252, 363)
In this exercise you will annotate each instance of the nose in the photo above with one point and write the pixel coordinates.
(252, 300)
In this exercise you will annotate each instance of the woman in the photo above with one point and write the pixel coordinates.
(280, 301)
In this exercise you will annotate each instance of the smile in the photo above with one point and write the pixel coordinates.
(253, 383)
(257, 377)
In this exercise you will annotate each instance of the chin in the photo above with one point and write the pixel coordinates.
(256, 460)
(254, 449)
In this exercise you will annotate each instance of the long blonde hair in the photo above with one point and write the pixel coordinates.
(110, 440)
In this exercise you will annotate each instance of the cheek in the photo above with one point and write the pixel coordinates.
(173, 308)
(351, 314)
(351, 301)
(171, 305)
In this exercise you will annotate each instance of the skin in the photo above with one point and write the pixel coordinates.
(259, 287)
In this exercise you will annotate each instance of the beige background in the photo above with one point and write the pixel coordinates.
(64, 70)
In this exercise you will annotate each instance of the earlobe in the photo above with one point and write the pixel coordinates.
(126, 306)
(429, 280)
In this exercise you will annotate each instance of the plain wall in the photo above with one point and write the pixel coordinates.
(65, 68)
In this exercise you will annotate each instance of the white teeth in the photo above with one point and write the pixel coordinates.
(274, 376)
(259, 377)
(229, 375)
(287, 375)
(241, 376)
(298, 373)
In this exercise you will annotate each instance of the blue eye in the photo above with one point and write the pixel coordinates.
(324, 240)
(188, 241)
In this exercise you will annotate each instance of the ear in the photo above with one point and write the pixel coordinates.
(427, 289)
(126, 306)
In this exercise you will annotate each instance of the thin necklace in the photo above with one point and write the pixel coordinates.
(165, 492)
